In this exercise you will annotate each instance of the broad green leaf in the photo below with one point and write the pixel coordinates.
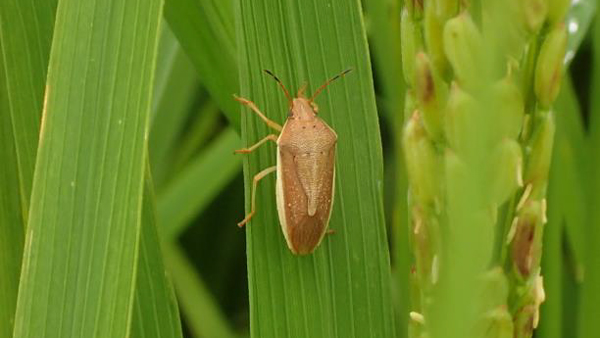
(25, 35)
(155, 311)
(589, 326)
(199, 307)
(205, 31)
(344, 288)
(81, 251)
(198, 183)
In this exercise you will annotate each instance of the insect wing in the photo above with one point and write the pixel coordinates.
(305, 187)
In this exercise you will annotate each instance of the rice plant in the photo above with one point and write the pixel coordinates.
(478, 144)
(466, 171)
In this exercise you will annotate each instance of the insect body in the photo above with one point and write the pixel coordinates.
(305, 170)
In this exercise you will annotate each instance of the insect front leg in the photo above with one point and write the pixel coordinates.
(255, 109)
(271, 137)
(257, 178)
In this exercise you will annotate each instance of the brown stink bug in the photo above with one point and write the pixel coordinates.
(305, 169)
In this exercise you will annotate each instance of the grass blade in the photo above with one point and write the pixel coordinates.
(564, 242)
(155, 310)
(25, 35)
(11, 215)
(589, 326)
(201, 129)
(176, 94)
(552, 262)
(384, 38)
(202, 313)
(578, 21)
(573, 167)
(81, 244)
(384, 27)
(343, 289)
(168, 49)
(198, 183)
(206, 33)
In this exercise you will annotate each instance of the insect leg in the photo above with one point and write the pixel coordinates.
(257, 178)
(255, 109)
(271, 137)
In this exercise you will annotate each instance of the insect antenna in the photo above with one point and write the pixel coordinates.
(302, 89)
(328, 82)
(287, 94)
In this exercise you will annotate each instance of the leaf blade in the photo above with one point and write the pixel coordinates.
(87, 192)
(176, 93)
(11, 217)
(590, 289)
(26, 48)
(197, 184)
(343, 289)
(155, 310)
(25, 35)
(578, 22)
(202, 313)
(205, 32)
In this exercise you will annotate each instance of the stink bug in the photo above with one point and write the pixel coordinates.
(305, 169)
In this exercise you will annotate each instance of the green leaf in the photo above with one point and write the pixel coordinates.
(343, 289)
(168, 50)
(11, 215)
(25, 35)
(175, 93)
(202, 127)
(570, 148)
(383, 24)
(552, 261)
(155, 311)
(567, 214)
(205, 30)
(198, 183)
(81, 251)
(383, 27)
(568, 219)
(202, 312)
(589, 326)
(578, 22)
